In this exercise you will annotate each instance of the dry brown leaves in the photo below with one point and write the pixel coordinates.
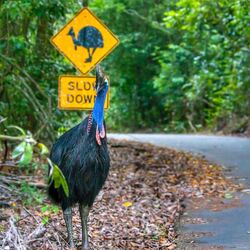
(137, 208)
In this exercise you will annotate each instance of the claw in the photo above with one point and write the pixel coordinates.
(88, 60)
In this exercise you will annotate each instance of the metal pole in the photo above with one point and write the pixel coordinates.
(85, 3)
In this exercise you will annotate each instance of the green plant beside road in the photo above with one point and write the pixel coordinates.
(23, 154)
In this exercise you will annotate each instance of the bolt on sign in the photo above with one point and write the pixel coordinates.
(78, 92)
(85, 40)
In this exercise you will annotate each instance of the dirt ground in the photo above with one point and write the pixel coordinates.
(138, 208)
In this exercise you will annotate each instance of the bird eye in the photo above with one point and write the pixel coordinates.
(106, 82)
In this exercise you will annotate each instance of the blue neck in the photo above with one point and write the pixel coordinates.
(98, 111)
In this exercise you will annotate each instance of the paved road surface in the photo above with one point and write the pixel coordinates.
(231, 227)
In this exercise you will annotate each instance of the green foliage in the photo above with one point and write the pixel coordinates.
(29, 65)
(32, 194)
(57, 176)
(204, 66)
(47, 211)
(135, 103)
(181, 65)
(50, 209)
(43, 148)
(25, 151)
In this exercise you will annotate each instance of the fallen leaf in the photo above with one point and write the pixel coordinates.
(127, 204)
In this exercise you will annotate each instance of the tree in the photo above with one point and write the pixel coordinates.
(204, 67)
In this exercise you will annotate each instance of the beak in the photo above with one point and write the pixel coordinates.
(70, 31)
(99, 74)
(100, 78)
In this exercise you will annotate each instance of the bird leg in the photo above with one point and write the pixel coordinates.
(93, 51)
(90, 57)
(84, 212)
(67, 214)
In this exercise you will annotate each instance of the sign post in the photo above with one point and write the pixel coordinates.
(85, 40)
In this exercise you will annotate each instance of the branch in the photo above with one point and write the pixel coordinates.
(189, 119)
(13, 237)
(45, 118)
(12, 138)
(153, 24)
(18, 138)
(85, 3)
(42, 115)
(31, 215)
(35, 102)
(16, 182)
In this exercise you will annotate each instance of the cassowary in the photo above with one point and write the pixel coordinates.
(88, 37)
(82, 155)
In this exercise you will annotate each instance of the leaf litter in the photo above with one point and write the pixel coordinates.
(138, 208)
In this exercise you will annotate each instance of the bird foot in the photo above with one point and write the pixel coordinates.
(72, 247)
(88, 60)
(85, 248)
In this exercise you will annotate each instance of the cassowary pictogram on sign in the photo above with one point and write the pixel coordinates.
(88, 37)
(85, 41)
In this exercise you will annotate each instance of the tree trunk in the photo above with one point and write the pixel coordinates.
(85, 3)
(42, 40)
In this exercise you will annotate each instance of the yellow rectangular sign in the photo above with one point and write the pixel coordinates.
(78, 93)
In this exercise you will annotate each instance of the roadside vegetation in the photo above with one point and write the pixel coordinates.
(182, 66)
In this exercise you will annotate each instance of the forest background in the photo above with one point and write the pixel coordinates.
(181, 66)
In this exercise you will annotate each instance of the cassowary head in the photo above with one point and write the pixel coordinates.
(101, 80)
(71, 32)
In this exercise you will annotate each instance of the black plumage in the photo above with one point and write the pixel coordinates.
(82, 155)
(83, 162)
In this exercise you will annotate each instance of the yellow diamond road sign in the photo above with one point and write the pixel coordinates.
(78, 92)
(85, 41)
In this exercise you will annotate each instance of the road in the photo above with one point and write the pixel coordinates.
(230, 227)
